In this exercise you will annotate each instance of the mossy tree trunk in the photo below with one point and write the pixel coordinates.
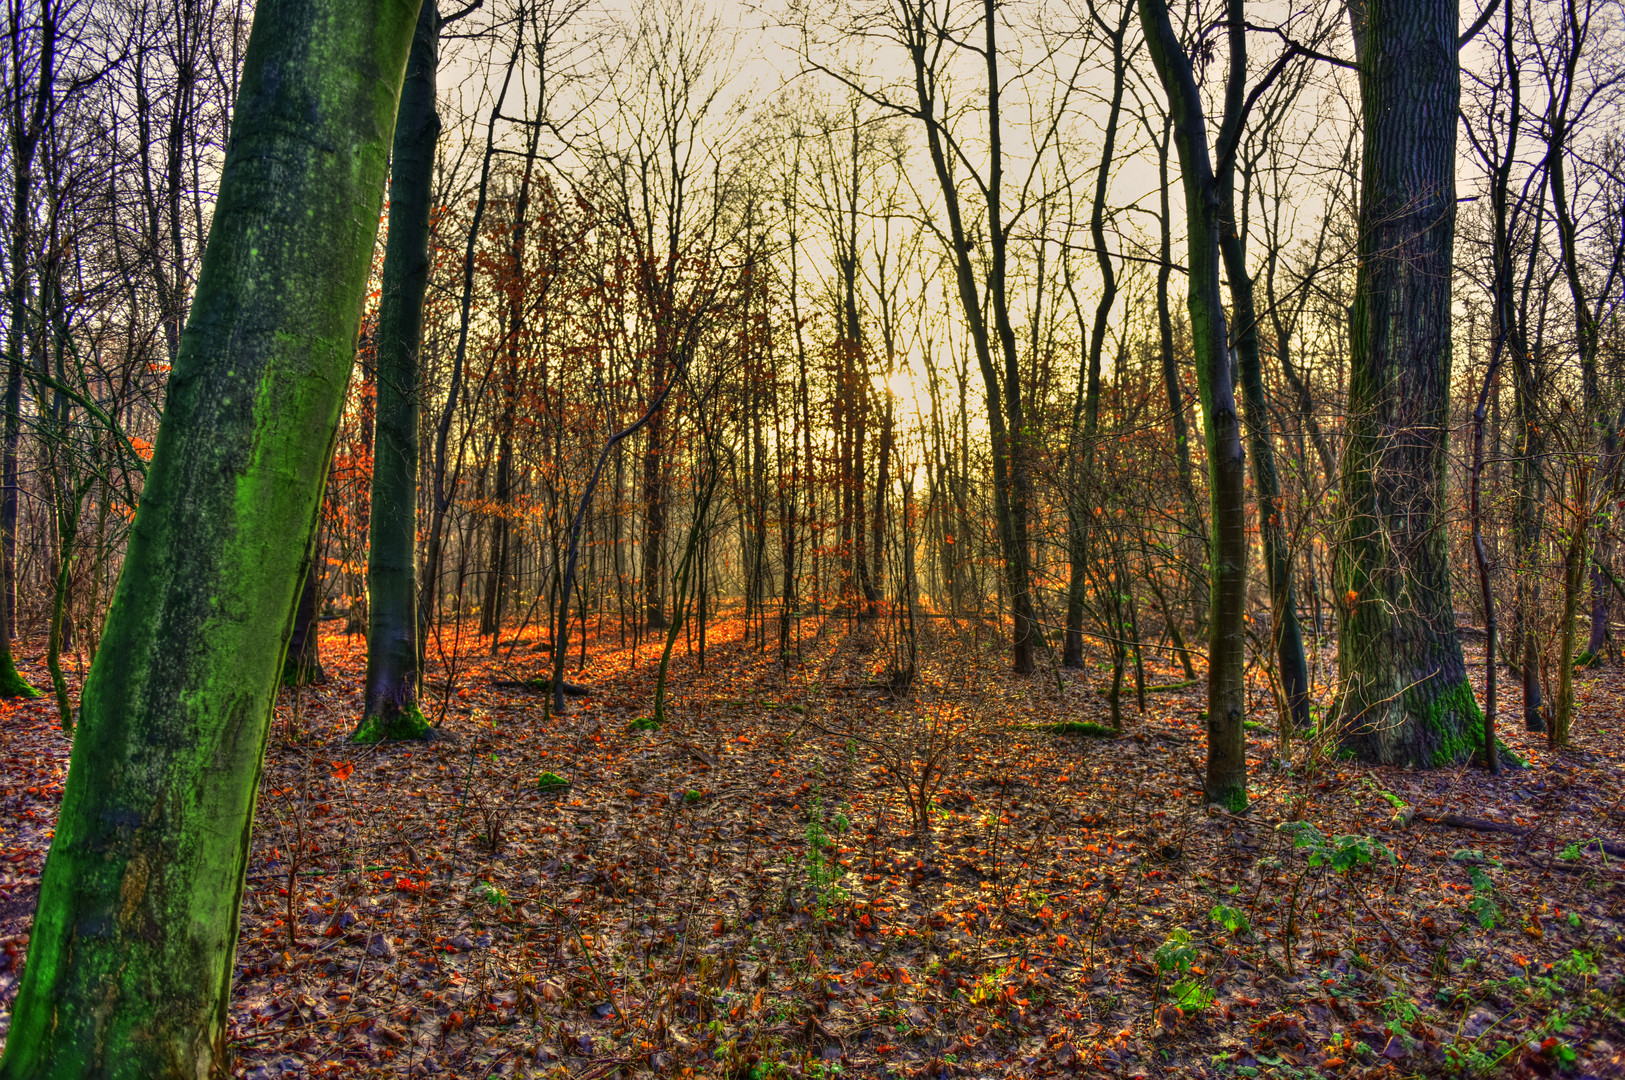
(390, 708)
(1404, 696)
(129, 966)
(1225, 781)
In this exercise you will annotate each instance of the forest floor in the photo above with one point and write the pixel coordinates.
(745, 890)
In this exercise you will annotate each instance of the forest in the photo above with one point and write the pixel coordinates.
(873, 538)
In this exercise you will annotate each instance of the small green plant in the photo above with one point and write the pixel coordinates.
(1341, 854)
(1402, 1013)
(644, 723)
(551, 783)
(1577, 965)
(1176, 956)
(1482, 906)
(1190, 995)
(824, 873)
(491, 894)
(692, 796)
(1231, 919)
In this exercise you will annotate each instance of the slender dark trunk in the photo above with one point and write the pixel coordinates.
(1193, 523)
(303, 664)
(1225, 781)
(389, 707)
(30, 111)
(1288, 635)
(1081, 500)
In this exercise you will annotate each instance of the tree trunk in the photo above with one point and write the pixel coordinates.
(130, 961)
(1081, 496)
(390, 706)
(1405, 697)
(654, 513)
(303, 664)
(1008, 434)
(29, 112)
(1193, 538)
(1293, 669)
(1225, 781)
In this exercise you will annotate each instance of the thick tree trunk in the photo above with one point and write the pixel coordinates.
(1225, 781)
(1405, 697)
(389, 707)
(130, 961)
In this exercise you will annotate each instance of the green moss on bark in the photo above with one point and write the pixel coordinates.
(407, 723)
(12, 684)
(130, 956)
(1456, 723)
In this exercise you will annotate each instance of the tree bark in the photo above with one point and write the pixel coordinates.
(1405, 697)
(129, 966)
(1287, 635)
(1086, 403)
(303, 664)
(1225, 781)
(30, 112)
(390, 706)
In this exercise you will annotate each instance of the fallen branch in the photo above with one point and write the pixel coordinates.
(542, 686)
(1460, 821)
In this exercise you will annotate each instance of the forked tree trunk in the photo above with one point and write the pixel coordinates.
(1405, 698)
(130, 961)
(390, 707)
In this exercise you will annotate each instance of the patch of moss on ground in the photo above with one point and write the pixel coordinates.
(644, 723)
(1081, 727)
(552, 783)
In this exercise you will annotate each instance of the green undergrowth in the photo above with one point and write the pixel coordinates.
(552, 783)
(1080, 727)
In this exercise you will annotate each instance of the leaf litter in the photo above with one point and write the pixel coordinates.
(805, 873)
